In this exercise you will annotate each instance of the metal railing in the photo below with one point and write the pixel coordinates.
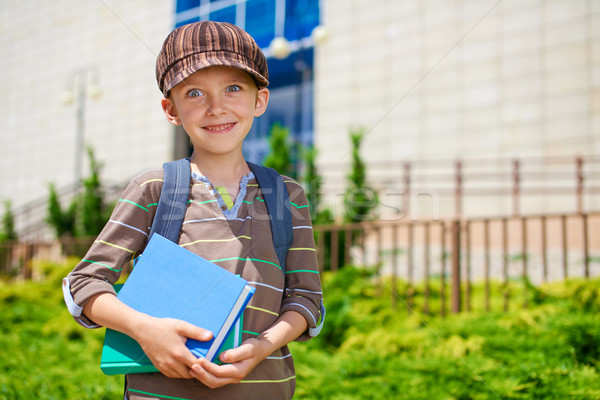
(509, 185)
(17, 257)
(444, 256)
(459, 252)
(478, 186)
(30, 218)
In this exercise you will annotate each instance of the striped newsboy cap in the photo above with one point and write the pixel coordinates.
(190, 48)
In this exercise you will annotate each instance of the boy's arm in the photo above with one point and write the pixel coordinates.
(162, 339)
(244, 358)
(122, 238)
(303, 293)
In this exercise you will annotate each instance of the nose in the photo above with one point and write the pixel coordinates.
(215, 105)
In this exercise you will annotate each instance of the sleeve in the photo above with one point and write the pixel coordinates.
(122, 239)
(302, 278)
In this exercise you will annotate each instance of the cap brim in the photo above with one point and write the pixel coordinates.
(196, 62)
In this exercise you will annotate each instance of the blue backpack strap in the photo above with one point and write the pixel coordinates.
(174, 197)
(277, 200)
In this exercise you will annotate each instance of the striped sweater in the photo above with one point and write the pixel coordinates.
(237, 239)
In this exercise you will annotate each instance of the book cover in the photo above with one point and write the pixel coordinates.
(170, 281)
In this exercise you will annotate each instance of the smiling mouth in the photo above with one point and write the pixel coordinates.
(221, 128)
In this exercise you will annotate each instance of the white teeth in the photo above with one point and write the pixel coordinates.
(218, 128)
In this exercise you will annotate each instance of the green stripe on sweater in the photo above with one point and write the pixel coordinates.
(157, 395)
(246, 259)
(135, 204)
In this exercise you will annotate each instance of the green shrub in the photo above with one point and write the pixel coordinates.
(87, 213)
(280, 154)
(367, 349)
(360, 200)
(7, 230)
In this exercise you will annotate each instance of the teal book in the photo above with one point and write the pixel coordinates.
(169, 281)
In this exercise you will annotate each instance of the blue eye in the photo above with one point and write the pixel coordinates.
(234, 88)
(194, 93)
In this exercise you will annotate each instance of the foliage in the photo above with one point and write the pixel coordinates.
(87, 213)
(63, 221)
(548, 351)
(319, 216)
(360, 200)
(312, 182)
(367, 349)
(280, 156)
(7, 231)
(91, 213)
(46, 354)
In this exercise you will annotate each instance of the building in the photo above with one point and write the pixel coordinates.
(488, 82)
(425, 80)
(79, 73)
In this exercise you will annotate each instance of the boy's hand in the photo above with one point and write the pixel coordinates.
(163, 341)
(241, 361)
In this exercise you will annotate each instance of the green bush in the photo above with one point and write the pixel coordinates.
(47, 355)
(7, 230)
(360, 200)
(367, 349)
(87, 213)
(280, 154)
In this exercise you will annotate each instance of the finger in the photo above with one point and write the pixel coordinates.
(184, 359)
(171, 372)
(174, 368)
(216, 370)
(181, 370)
(206, 373)
(237, 354)
(194, 332)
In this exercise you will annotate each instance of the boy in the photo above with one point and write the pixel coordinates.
(213, 77)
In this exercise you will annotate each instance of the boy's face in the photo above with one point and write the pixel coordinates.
(216, 107)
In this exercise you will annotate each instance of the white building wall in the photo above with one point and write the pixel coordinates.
(426, 79)
(464, 79)
(43, 45)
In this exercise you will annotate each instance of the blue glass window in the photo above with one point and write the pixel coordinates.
(226, 14)
(188, 21)
(184, 5)
(301, 17)
(260, 21)
(291, 87)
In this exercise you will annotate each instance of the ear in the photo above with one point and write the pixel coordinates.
(170, 111)
(262, 99)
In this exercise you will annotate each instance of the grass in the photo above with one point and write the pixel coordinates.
(367, 350)
(45, 354)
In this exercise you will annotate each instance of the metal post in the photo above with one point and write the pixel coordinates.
(544, 250)
(406, 188)
(395, 266)
(579, 177)
(468, 264)
(458, 190)
(456, 295)
(524, 273)
(334, 248)
(426, 290)
(586, 252)
(80, 127)
(443, 310)
(486, 236)
(516, 187)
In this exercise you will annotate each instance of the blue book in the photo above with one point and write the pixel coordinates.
(170, 281)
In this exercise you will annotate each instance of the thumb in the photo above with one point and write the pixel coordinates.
(194, 332)
(237, 354)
